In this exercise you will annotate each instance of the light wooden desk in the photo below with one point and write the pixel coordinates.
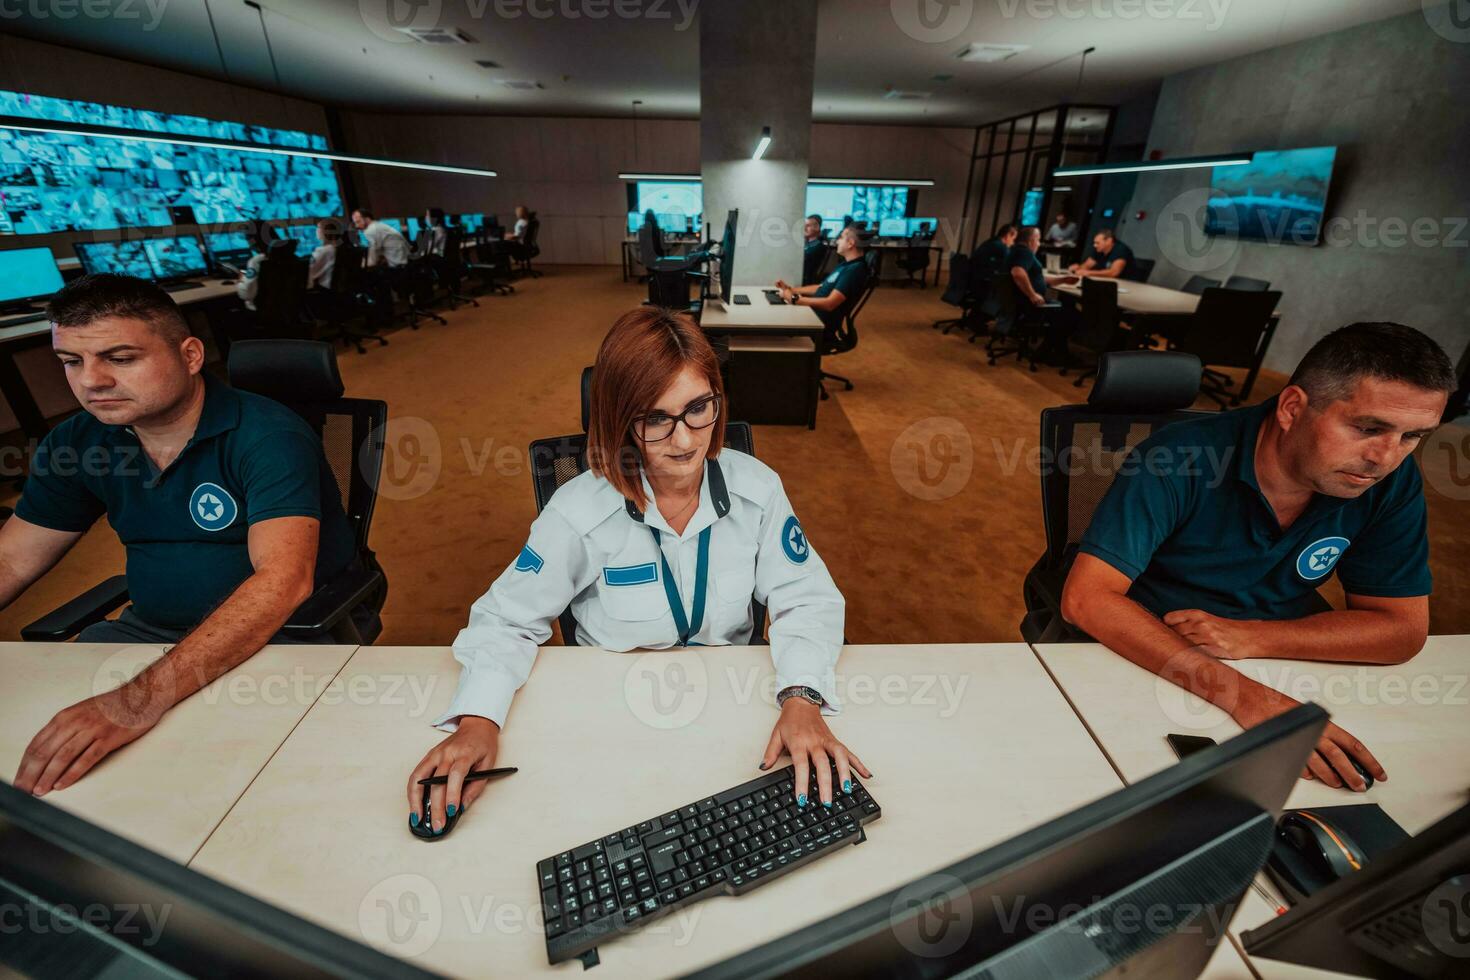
(1415, 718)
(759, 317)
(169, 789)
(605, 740)
(1140, 297)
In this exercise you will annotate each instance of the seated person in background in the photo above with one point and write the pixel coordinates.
(330, 233)
(843, 285)
(223, 500)
(1025, 268)
(523, 219)
(436, 234)
(1063, 231)
(663, 510)
(814, 250)
(1108, 258)
(1213, 546)
(385, 247)
(247, 283)
(991, 258)
(655, 233)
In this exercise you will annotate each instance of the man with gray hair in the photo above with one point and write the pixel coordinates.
(1215, 535)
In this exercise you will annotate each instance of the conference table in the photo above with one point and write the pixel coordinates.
(1143, 298)
(287, 777)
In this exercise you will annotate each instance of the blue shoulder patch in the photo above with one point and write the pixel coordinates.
(793, 542)
(529, 561)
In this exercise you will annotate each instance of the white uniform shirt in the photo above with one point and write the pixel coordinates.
(383, 240)
(437, 238)
(323, 259)
(519, 232)
(589, 551)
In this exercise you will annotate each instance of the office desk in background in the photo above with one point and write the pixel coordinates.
(888, 248)
(764, 338)
(1413, 717)
(673, 245)
(23, 331)
(169, 789)
(969, 745)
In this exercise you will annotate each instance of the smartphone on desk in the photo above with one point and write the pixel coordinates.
(1187, 745)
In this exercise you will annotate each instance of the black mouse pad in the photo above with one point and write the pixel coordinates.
(1370, 829)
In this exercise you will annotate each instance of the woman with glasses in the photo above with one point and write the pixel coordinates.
(662, 542)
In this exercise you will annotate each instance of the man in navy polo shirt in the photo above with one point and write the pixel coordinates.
(1214, 537)
(832, 297)
(1108, 258)
(224, 501)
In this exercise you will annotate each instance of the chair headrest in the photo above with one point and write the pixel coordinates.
(586, 397)
(293, 372)
(281, 246)
(1146, 381)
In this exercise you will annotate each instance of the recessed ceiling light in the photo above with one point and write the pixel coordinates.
(483, 63)
(990, 53)
(437, 35)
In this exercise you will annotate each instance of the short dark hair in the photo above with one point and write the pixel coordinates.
(365, 213)
(107, 294)
(1026, 231)
(1005, 230)
(1105, 233)
(1387, 351)
(814, 217)
(436, 216)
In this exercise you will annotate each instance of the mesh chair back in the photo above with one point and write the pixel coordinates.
(1230, 327)
(347, 270)
(533, 232)
(1198, 284)
(280, 299)
(1247, 283)
(557, 460)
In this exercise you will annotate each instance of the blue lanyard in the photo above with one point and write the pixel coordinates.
(671, 588)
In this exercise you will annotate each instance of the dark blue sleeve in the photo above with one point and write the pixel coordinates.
(1137, 514)
(1015, 259)
(1390, 557)
(56, 494)
(283, 477)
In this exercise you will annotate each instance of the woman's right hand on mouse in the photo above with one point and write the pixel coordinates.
(473, 745)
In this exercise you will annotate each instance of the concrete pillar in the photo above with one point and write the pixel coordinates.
(757, 59)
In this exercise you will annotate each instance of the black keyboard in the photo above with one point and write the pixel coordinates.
(179, 287)
(725, 844)
(773, 296)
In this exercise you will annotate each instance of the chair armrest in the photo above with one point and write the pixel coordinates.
(90, 607)
(331, 603)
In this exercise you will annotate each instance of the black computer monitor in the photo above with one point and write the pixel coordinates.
(123, 258)
(1405, 914)
(85, 902)
(176, 258)
(727, 256)
(1142, 882)
(228, 248)
(27, 274)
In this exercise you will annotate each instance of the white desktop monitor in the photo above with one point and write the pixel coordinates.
(28, 273)
(893, 228)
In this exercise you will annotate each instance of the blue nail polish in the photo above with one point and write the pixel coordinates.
(847, 786)
(413, 819)
(827, 804)
(451, 810)
(801, 800)
(438, 831)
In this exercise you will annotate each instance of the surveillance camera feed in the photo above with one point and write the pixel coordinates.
(1279, 197)
(52, 182)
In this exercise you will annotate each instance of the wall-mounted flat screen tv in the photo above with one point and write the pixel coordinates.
(1279, 197)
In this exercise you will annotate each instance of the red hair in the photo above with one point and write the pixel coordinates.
(640, 357)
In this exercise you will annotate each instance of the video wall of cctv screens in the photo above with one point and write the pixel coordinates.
(51, 182)
(169, 258)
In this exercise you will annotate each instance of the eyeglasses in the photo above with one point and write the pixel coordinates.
(656, 426)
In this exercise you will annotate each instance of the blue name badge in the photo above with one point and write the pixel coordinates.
(631, 574)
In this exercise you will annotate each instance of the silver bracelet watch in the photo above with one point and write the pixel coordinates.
(798, 691)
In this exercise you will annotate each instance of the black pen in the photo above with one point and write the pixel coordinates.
(477, 774)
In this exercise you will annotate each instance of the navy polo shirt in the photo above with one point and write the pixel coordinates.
(990, 258)
(849, 279)
(250, 459)
(1118, 251)
(1023, 258)
(812, 257)
(1186, 520)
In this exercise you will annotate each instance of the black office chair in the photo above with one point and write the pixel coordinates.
(957, 292)
(1018, 325)
(1198, 284)
(915, 260)
(844, 336)
(280, 296)
(529, 248)
(1142, 269)
(1101, 330)
(491, 264)
(413, 282)
(1229, 328)
(449, 268)
(1247, 283)
(814, 262)
(346, 302)
(301, 374)
(1137, 392)
(556, 460)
